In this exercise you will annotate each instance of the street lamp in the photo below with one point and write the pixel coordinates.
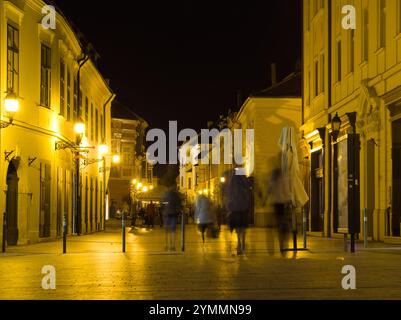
(335, 127)
(116, 159)
(11, 106)
(222, 179)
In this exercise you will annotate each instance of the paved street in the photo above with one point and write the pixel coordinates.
(95, 268)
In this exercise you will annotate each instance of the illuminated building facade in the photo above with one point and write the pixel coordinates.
(354, 76)
(39, 150)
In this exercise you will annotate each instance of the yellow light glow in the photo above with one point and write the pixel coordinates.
(222, 180)
(206, 191)
(103, 149)
(151, 187)
(145, 189)
(134, 182)
(79, 128)
(11, 103)
(200, 192)
(116, 158)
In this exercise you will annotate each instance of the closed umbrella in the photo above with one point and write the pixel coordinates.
(290, 168)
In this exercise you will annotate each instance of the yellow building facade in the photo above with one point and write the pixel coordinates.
(353, 74)
(39, 148)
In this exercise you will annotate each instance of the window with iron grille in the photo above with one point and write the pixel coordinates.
(12, 59)
(45, 76)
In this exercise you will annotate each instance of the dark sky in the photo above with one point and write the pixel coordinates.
(186, 60)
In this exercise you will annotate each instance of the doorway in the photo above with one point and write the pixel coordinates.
(396, 156)
(12, 204)
(317, 192)
(370, 185)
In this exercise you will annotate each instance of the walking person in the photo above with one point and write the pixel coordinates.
(171, 210)
(278, 197)
(239, 205)
(151, 213)
(204, 215)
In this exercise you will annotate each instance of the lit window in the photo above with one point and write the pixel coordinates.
(68, 95)
(12, 59)
(62, 87)
(45, 76)
(382, 23)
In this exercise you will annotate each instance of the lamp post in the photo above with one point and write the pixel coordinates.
(335, 127)
(79, 129)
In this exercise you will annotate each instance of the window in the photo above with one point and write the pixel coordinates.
(45, 76)
(102, 128)
(322, 73)
(86, 116)
(62, 87)
(97, 126)
(75, 110)
(80, 113)
(399, 15)
(12, 59)
(68, 95)
(316, 80)
(382, 23)
(351, 51)
(44, 221)
(189, 183)
(308, 81)
(365, 38)
(339, 66)
(92, 122)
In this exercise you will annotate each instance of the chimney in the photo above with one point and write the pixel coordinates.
(273, 74)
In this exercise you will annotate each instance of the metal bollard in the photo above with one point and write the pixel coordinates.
(65, 234)
(4, 240)
(365, 226)
(182, 233)
(123, 231)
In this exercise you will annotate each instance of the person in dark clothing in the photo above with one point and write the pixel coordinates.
(279, 199)
(171, 210)
(238, 204)
(150, 213)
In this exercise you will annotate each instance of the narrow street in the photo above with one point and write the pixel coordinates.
(95, 269)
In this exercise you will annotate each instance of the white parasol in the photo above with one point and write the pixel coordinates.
(290, 168)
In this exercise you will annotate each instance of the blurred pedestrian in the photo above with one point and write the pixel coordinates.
(151, 213)
(204, 215)
(171, 210)
(278, 197)
(239, 205)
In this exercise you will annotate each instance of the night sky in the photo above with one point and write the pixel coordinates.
(187, 60)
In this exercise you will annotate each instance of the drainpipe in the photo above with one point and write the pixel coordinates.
(78, 220)
(103, 218)
(329, 140)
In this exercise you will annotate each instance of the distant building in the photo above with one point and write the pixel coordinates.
(268, 112)
(128, 141)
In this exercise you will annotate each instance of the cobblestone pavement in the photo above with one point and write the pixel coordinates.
(95, 268)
